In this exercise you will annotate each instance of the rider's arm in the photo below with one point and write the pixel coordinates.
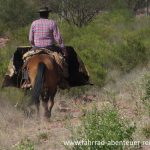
(31, 35)
(58, 38)
(57, 35)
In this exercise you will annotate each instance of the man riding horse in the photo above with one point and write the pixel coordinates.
(42, 68)
(44, 33)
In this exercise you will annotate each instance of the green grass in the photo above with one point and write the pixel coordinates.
(104, 126)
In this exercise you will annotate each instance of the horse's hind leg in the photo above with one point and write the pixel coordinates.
(51, 101)
(48, 101)
(45, 98)
(46, 112)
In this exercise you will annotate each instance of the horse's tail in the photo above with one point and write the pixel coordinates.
(38, 83)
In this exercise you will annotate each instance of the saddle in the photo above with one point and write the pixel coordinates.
(59, 59)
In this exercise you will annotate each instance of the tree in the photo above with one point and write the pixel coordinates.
(134, 5)
(147, 7)
(79, 12)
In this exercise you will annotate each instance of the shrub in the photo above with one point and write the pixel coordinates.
(146, 131)
(25, 145)
(146, 97)
(104, 126)
(147, 89)
(43, 136)
(131, 53)
(16, 13)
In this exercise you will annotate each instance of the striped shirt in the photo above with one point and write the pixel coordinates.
(44, 32)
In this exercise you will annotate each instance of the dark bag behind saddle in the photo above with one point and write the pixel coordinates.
(17, 61)
(78, 75)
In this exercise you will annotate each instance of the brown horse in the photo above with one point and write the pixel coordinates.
(45, 77)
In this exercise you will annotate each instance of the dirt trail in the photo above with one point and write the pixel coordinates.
(125, 93)
(15, 127)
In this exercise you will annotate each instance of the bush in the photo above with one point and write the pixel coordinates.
(104, 126)
(25, 145)
(131, 53)
(43, 136)
(146, 131)
(146, 98)
(147, 89)
(16, 13)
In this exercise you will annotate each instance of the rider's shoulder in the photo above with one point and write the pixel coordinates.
(35, 21)
(53, 22)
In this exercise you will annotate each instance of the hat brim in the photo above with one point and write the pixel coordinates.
(40, 11)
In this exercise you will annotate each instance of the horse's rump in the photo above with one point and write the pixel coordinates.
(38, 82)
(51, 73)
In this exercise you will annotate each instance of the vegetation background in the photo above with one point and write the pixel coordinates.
(110, 36)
